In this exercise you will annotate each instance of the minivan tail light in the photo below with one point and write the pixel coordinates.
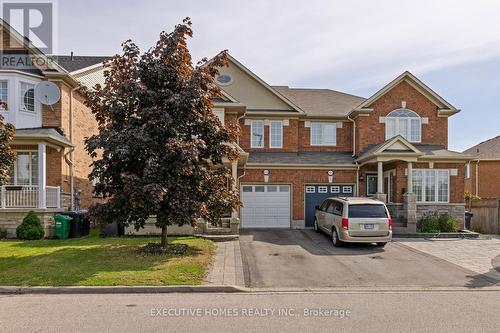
(345, 223)
(390, 223)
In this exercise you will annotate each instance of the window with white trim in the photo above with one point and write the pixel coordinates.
(404, 122)
(24, 171)
(431, 185)
(322, 189)
(310, 189)
(335, 189)
(323, 134)
(27, 96)
(275, 134)
(4, 93)
(347, 189)
(257, 131)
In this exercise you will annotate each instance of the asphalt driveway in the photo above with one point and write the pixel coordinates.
(303, 258)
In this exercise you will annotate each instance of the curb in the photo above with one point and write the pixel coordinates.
(90, 290)
(120, 290)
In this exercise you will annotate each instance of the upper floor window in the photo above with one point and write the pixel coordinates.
(403, 122)
(257, 132)
(4, 92)
(27, 97)
(323, 134)
(276, 134)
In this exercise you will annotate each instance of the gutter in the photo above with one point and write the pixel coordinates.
(353, 135)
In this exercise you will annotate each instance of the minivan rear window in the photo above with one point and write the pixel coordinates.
(360, 211)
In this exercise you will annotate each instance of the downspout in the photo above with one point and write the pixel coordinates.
(354, 152)
(477, 177)
(353, 135)
(69, 159)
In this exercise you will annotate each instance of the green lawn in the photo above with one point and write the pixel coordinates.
(96, 261)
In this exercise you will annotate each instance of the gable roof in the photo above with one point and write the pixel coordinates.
(445, 108)
(486, 150)
(397, 144)
(267, 87)
(321, 102)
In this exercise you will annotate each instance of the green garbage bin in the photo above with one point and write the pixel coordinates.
(62, 226)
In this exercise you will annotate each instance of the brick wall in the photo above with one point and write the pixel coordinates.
(370, 131)
(297, 179)
(488, 182)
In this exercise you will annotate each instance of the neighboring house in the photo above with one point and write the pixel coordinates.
(51, 171)
(482, 176)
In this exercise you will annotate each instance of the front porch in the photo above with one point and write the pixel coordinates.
(413, 182)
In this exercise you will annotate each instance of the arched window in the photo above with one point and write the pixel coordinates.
(403, 122)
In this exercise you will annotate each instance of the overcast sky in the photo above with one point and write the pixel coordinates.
(351, 46)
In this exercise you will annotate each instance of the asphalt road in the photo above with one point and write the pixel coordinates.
(452, 311)
(303, 258)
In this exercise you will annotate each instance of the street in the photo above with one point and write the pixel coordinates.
(349, 311)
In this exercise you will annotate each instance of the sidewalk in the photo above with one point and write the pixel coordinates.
(227, 268)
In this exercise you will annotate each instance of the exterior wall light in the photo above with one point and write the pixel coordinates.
(330, 176)
(266, 175)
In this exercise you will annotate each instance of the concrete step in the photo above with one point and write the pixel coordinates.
(221, 238)
(218, 231)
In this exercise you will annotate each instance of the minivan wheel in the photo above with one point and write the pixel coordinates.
(335, 238)
(316, 225)
(381, 244)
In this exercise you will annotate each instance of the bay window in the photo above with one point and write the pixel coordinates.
(27, 97)
(431, 185)
(24, 171)
(4, 93)
(275, 134)
(257, 134)
(323, 134)
(403, 122)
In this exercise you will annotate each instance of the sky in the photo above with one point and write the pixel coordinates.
(352, 46)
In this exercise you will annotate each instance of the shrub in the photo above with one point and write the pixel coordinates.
(428, 223)
(30, 228)
(448, 223)
(3, 233)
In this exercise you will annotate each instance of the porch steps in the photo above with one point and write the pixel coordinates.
(218, 231)
(220, 238)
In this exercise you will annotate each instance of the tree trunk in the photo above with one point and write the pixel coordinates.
(164, 243)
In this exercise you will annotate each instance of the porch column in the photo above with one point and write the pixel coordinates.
(235, 221)
(380, 177)
(409, 178)
(42, 176)
(234, 174)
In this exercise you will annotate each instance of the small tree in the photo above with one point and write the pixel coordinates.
(160, 148)
(7, 155)
(469, 198)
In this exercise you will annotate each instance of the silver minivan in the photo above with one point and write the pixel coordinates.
(354, 220)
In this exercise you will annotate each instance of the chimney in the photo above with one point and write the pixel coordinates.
(71, 56)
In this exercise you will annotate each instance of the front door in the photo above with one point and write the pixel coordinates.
(371, 185)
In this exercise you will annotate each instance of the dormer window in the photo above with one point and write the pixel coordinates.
(404, 122)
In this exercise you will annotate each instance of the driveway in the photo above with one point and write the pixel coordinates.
(303, 258)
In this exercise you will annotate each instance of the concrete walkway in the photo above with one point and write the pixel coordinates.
(227, 268)
(478, 255)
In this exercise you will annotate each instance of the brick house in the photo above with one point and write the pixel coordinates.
(51, 169)
(300, 146)
(482, 174)
(297, 146)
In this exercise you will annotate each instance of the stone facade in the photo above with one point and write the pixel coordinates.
(11, 218)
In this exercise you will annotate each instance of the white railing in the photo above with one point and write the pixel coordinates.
(28, 196)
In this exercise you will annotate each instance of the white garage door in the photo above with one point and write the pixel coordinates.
(265, 206)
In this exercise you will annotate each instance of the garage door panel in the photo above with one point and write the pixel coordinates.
(316, 194)
(267, 209)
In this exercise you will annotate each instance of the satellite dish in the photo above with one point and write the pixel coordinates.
(47, 93)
